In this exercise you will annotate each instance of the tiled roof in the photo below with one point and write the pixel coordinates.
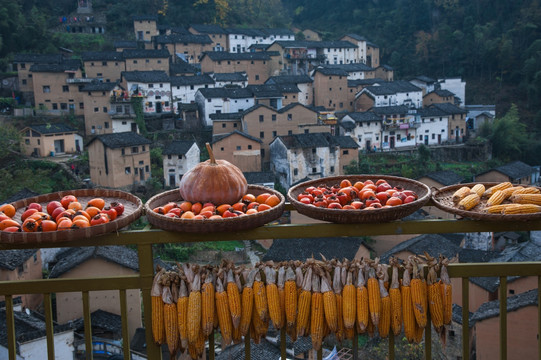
(331, 72)
(182, 67)
(236, 93)
(145, 17)
(38, 58)
(457, 314)
(445, 177)
(442, 93)
(224, 55)
(516, 170)
(145, 53)
(73, 257)
(220, 137)
(364, 82)
(356, 37)
(433, 244)
(11, 259)
(120, 140)
(100, 319)
(302, 141)
(492, 308)
(52, 128)
(266, 91)
(289, 79)
(295, 104)
(146, 76)
(234, 76)
(315, 44)
(191, 80)
(390, 110)
(364, 116)
(431, 112)
(102, 56)
(449, 108)
(259, 177)
(227, 116)
(349, 67)
(425, 79)
(288, 88)
(129, 44)
(180, 30)
(56, 68)
(277, 31)
(393, 87)
(208, 29)
(178, 147)
(302, 249)
(245, 31)
(182, 38)
(100, 86)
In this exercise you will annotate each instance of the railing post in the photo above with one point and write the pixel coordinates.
(465, 318)
(89, 350)
(49, 326)
(247, 347)
(503, 317)
(212, 348)
(125, 329)
(391, 345)
(283, 353)
(428, 334)
(10, 328)
(539, 317)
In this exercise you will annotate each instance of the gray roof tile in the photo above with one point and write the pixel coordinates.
(11, 259)
(492, 308)
(445, 177)
(120, 140)
(224, 55)
(146, 76)
(102, 56)
(302, 249)
(178, 147)
(191, 80)
(145, 53)
(52, 128)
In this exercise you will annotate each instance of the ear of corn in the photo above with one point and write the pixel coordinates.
(182, 315)
(510, 191)
(290, 298)
(362, 302)
(501, 186)
(396, 300)
(419, 297)
(207, 305)
(446, 294)
(260, 297)
(435, 302)
(281, 293)
(527, 190)
(496, 198)
(479, 189)
(170, 321)
(273, 298)
(499, 209)
(247, 304)
(337, 288)
(385, 317)
(349, 303)
(158, 329)
(521, 209)
(469, 202)
(374, 297)
(419, 332)
(408, 315)
(233, 298)
(526, 199)
(194, 310)
(329, 303)
(305, 300)
(317, 316)
(224, 315)
(460, 194)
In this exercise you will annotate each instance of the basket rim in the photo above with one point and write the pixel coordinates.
(243, 222)
(439, 194)
(359, 215)
(75, 234)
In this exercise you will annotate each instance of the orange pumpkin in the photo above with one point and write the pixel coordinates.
(215, 181)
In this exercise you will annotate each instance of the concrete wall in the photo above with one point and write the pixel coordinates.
(147, 27)
(96, 113)
(331, 92)
(107, 70)
(240, 151)
(258, 71)
(52, 89)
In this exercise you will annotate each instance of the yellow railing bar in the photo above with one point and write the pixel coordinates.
(465, 318)
(10, 328)
(88, 326)
(71, 285)
(49, 326)
(503, 317)
(125, 329)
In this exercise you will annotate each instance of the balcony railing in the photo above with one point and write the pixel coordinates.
(144, 239)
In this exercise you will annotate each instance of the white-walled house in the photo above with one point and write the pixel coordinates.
(183, 88)
(153, 86)
(239, 79)
(456, 86)
(240, 39)
(222, 100)
(303, 82)
(360, 42)
(339, 52)
(399, 124)
(364, 128)
(179, 157)
(433, 126)
(392, 93)
(356, 71)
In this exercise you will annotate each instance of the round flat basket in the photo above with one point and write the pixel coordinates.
(243, 222)
(133, 208)
(361, 216)
(443, 199)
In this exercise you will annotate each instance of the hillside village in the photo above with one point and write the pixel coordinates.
(283, 110)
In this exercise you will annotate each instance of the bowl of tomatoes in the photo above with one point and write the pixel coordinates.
(67, 215)
(359, 198)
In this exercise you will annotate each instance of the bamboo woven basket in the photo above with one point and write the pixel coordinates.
(442, 199)
(361, 216)
(243, 222)
(133, 208)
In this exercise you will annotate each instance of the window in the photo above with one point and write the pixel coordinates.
(159, 61)
(273, 117)
(313, 150)
(235, 125)
(135, 171)
(127, 170)
(295, 171)
(223, 125)
(191, 87)
(81, 106)
(345, 152)
(289, 117)
(290, 132)
(169, 157)
(39, 142)
(23, 66)
(64, 106)
(249, 147)
(46, 89)
(150, 85)
(262, 134)
(314, 170)
(261, 118)
(221, 149)
(420, 137)
(134, 149)
(27, 141)
(147, 169)
(398, 136)
(24, 81)
(96, 109)
(332, 169)
(147, 61)
(123, 152)
(511, 292)
(306, 131)
(238, 147)
(433, 136)
(274, 133)
(135, 61)
(257, 77)
(55, 106)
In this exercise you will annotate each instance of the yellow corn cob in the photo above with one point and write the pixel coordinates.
(337, 288)
(200, 344)
(224, 315)
(469, 202)
(496, 198)
(461, 193)
(418, 297)
(527, 190)
(158, 329)
(435, 301)
(510, 191)
(317, 317)
(349, 302)
(273, 298)
(281, 294)
(374, 297)
(362, 302)
(499, 209)
(170, 321)
(290, 298)
(233, 298)
(501, 186)
(385, 317)
(408, 315)
(207, 306)
(526, 199)
(396, 300)
(305, 300)
(479, 189)
(419, 332)
(236, 335)
(182, 315)
(329, 303)
(522, 209)
(194, 310)
(260, 298)
(371, 328)
(446, 293)
(247, 304)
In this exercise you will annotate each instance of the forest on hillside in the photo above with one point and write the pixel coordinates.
(495, 46)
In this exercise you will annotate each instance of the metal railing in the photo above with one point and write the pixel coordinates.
(144, 239)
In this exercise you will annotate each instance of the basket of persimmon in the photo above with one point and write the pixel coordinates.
(68, 215)
(359, 198)
(214, 196)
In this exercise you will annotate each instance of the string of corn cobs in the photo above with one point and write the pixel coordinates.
(314, 298)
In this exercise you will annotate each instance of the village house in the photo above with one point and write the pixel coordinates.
(477, 116)
(100, 261)
(433, 126)
(239, 79)
(241, 39)
(20, 265)
(57, 87)
(330, 89)
(182, 68)
(457, 86)
(105, 66)
(188, 48)
(145, 27)
(516, 172)
(225, 123)
(188, 116)
(240, 149)
(49, 140)
(313, 156)
(303, 82)
(215, 32)
(372, 55)
(272, 95)
(389, 93)
(153, 86)
(438, 96)
(360, 42)
(147, 60)
(427, 84)
(364, 128)
(179, 157)
(121, 45)
(183, 88)
(298, 57)
(22, 64)
(385, 72)
(258, 66)
(457, 121)
(119, 160)
(398, 126)
(307, 34)
(222, 100)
